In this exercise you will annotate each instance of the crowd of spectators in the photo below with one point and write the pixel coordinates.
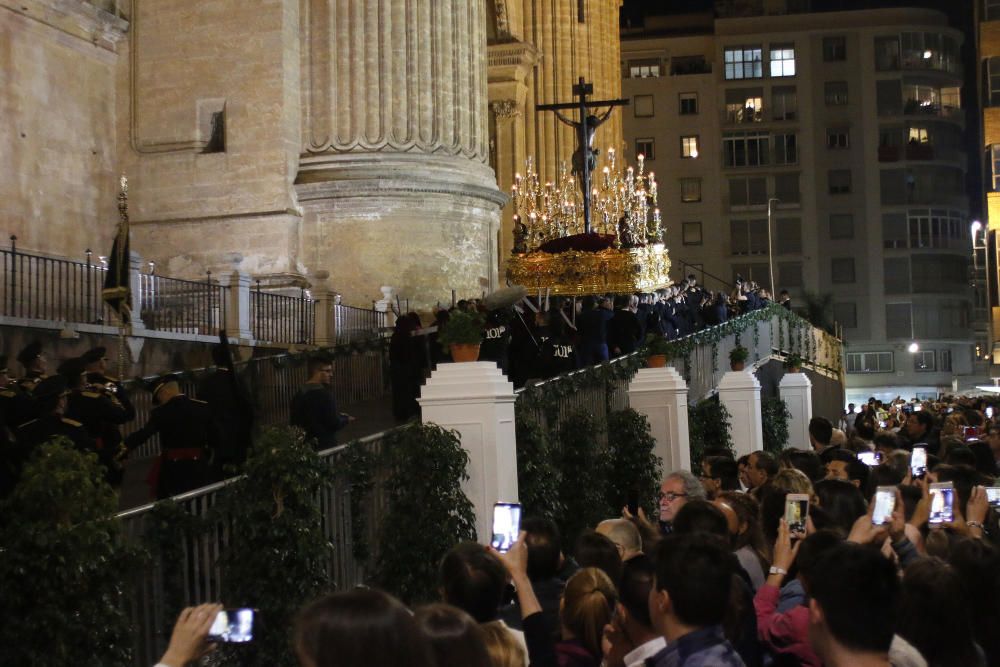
(724, 575)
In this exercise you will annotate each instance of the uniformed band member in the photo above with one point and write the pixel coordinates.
(34, 363)
(101, 414)
(187, 434)
(51, 397)
(314, 408)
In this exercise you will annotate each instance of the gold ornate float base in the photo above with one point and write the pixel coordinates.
(576, 273)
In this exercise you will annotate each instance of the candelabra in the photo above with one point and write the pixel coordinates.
(623, 205)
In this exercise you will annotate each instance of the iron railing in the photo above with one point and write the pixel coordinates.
(282, 318)
(766, 335)
(48, 288)
(182, 306)
(272, 382)
(354, 323)
(200, 575)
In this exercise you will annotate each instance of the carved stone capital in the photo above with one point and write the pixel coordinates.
(505, 109)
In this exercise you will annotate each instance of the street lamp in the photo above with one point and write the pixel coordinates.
(770, 250)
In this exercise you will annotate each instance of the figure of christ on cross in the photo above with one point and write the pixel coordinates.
(585, 157)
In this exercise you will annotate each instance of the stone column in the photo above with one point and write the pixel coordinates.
(385, 304)
(739, 391)
(238, 307)
(395, 133)
(326, 315)
(477, 400)
(796, 392)
(661, 395)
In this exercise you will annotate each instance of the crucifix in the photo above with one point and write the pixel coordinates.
(585, 157)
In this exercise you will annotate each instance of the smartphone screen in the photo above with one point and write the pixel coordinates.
(796, 511)
(993, 496)
(918, 461)
(506, 525)
(869, 458)
(233, 626)
(885, 503)
(942, 503)
(989, 412)
(971, 432)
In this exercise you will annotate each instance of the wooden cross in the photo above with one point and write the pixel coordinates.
(586, 127)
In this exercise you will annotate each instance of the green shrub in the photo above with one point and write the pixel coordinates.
(738, 354)
(708, 426)
(774, 417)
(584, 465)
(427, 511)
(634, 468)
(538, 475)
(462, 328)
(277, 558)
(63, 565)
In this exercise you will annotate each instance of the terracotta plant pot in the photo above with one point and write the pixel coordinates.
(737, 365)
(656, 361)
(465, 352)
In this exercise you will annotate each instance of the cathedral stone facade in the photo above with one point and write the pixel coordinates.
(364, 142)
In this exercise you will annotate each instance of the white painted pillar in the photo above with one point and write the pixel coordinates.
(739, 391)
(796, 391)
(238, 307)
(477, 400)
(385, 304)
(661, 395)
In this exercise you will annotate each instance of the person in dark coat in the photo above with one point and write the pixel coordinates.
(232, 411)
(555, 339)
(187, 435)
(51, 397)
(406, 367)
(624, 330)
(592, 325)
(314, 408)
(100, 413)
(35, 366)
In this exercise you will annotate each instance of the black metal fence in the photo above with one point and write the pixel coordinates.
(48, 288)
(357, 323)
(282, 318)
(182, 306)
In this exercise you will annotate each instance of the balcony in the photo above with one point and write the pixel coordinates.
(742, 116)
(914, 107)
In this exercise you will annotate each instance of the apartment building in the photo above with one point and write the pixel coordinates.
(826, 149)
(987, 289)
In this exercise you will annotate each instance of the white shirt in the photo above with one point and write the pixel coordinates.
(637, 656)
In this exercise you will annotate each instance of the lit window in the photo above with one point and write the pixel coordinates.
(782, 60)
(642, 69)
(995, 163)
(744, 63)
(689, 146)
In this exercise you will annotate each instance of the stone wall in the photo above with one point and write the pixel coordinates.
(58, 175)
(194, 210)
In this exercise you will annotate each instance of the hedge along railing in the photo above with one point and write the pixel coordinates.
(186, 538)
(360, 373)
(702, 358)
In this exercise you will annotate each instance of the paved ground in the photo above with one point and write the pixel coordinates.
(371, 417)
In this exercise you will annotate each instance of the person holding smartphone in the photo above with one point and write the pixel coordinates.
(189, 640)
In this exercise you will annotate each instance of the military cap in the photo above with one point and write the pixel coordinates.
(54, 385)
(72, 369)
(155, 385)
(92, 355)
(31, 352)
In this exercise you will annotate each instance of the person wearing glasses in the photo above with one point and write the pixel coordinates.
(677, 488)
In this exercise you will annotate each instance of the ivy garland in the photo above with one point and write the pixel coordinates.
(774, 422)
(756, 341)
(715, 357)
(359, 467)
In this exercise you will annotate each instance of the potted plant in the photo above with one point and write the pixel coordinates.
(462, 335)
(793, 363)
(657, 350)
(738, 357)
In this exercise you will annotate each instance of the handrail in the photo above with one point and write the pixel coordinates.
(706, 273)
